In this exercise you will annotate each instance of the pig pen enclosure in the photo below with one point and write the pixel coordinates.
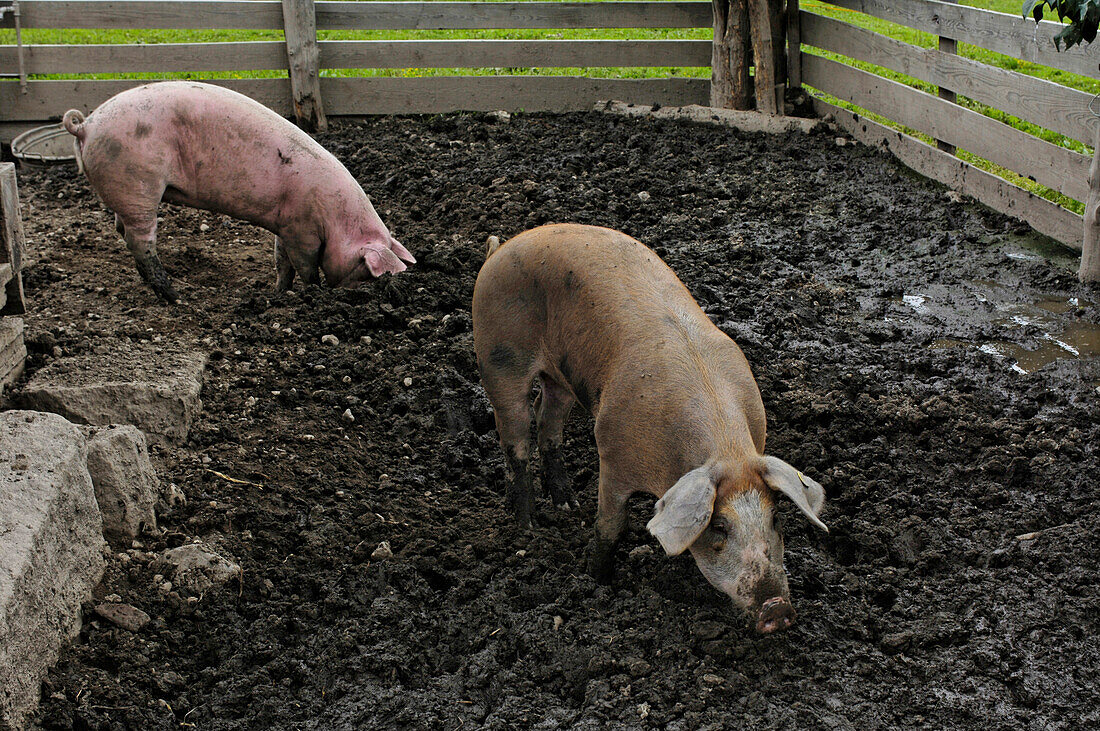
(930, 361)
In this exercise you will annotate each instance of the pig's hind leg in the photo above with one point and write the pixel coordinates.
(508, 389)
(552, 407)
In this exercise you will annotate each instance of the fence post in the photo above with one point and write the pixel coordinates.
(764, 49)
(730, 56)
(303, 63)
(947, 45)
(794, 46)
(1090, 248)
(11, 242)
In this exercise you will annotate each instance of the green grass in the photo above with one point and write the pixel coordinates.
(924, 40)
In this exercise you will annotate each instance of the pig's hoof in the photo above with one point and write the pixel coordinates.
(601, 561)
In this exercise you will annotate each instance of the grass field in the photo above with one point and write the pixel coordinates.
(42, 36)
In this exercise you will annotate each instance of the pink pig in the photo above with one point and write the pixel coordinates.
(208, 147)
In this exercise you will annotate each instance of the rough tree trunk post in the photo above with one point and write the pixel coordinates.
(947, 45)
(764, 52)
(11, 244)
(303, 61)
(729, 64)
(1090, 249)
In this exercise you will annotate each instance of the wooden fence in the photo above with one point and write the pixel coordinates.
(1046, 104)
(312, 95)
(46, 99)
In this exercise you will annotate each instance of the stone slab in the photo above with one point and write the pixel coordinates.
(744, 121)
(153, 386)
(126, 485)
(51, 551)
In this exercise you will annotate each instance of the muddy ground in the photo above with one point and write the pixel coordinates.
(862, 296)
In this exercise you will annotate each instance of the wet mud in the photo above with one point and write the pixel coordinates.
(882, 317)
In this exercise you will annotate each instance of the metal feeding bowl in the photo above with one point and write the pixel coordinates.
(42, 146)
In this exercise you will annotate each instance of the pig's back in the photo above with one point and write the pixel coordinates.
(216, 149)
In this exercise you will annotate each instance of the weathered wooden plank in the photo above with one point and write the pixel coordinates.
(434, 95)
(157, 57)
(483, 15)
(48, 100)
(5, 277)
(13, 351)
(794, 45)
(1045, 103)
(511, 54)
(264, 14)
(303, 59)
(243, 14)
(11, 239)
(1047, 164)
(1005, 33)
(268, 55)
(1042, 215)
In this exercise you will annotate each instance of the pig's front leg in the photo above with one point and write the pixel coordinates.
(611, 517)
(295, 258)
(141, 240)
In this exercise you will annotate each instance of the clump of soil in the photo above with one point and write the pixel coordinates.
(921, 607)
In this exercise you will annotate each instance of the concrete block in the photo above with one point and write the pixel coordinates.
(126, 485)
(152, 386)
(51, 551)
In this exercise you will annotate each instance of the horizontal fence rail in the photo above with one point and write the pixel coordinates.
(271, 55)
(263, 15)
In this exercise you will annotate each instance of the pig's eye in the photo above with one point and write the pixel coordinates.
(721, 531)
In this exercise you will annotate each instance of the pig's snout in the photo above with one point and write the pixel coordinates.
(776, 615)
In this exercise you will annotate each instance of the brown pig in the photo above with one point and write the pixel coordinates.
(600, 320)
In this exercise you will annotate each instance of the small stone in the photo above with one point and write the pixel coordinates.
(347, 416)
(712, 679)
(842, 141)
(643, 196)
(408, 382)
(204, 227)
(383, 552)
(558, 622)
(175, 497)
(640, 551)
(365, 340)
(57, 351)
(521, 552)
(500, 116)
(112, 598)
(346, 379)
(330, 340)
(125, 616)
(637, 667)
(318, 368)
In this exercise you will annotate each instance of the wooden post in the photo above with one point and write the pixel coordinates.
(794, 46)
(1090, 248)
(11, 243)
(764, 53)
(947, 45)
(303, 62)
(730, 56)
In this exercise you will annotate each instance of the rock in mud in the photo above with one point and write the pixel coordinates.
(126, 485)
(194, 568)
(127, 617)
(383, 552)
(51, 539)
(152, 386)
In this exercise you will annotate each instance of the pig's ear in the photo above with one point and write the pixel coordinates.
(806, 493)
(402, 253)
(382, 260)
(684, 511)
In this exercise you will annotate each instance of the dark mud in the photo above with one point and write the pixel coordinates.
(921, 608)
